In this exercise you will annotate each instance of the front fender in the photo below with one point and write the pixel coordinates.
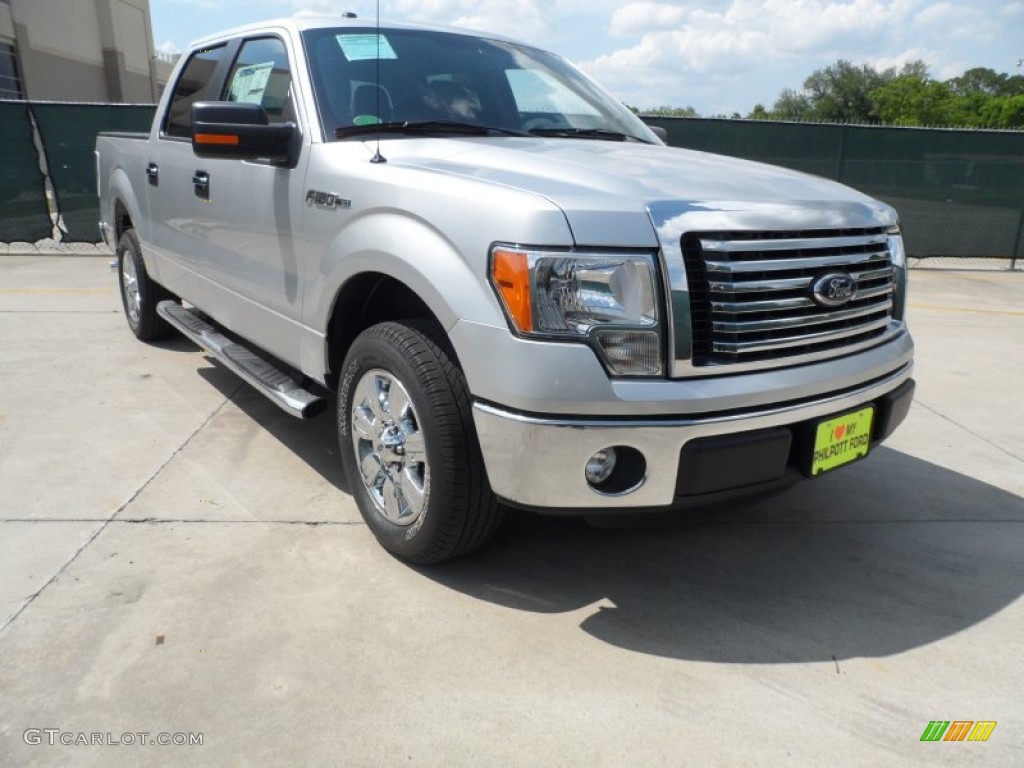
(413, 252)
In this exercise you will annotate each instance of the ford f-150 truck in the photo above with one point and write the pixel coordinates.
(520, 295)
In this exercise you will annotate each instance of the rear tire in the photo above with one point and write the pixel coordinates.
(139, 294)
(409, 447)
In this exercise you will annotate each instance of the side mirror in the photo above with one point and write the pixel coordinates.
(660, 132)
(242, 131)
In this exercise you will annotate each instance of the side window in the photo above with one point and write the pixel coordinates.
(190, 88)
(261, 75)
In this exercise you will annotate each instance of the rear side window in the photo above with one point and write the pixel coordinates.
(261, 75)
(190, 88)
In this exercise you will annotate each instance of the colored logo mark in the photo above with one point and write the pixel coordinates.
(958, 730)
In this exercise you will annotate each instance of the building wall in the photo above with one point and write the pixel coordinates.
(85, 50)
(6, 23)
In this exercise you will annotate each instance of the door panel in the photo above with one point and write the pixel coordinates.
(232, 224)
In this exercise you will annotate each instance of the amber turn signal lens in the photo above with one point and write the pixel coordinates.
(510, 271)
(216, 138)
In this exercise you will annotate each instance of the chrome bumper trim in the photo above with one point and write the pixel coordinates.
(539, 461)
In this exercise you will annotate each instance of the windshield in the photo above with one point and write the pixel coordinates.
(433, 79)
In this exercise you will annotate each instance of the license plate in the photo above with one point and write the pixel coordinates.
(841, 440)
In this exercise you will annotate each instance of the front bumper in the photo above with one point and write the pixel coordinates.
(539, 461)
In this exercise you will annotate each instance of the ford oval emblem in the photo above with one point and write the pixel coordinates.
(834, 289)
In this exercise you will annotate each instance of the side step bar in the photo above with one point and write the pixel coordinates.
(282, 390)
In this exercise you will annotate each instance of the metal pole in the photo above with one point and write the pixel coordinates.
(841, 156)
(1019, 244)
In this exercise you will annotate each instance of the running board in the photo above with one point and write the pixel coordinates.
(282, 390)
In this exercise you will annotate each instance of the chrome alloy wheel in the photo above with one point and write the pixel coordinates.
(130, 282)
(389, 447)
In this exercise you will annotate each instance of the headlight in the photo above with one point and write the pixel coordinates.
(897, 252)
(609, 299)
(898, 255)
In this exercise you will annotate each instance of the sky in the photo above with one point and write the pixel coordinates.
(718, 56)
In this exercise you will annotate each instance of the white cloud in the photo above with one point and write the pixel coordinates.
(533, 21)
(307, 8)
(636, 18)
(202, 4)
(168, 46)
(897, 61)
(680, 49)
(940, 66)
(956, 21)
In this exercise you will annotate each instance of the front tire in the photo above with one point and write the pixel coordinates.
(139, 294)
(409, 447)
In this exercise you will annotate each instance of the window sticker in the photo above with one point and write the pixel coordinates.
(364, 47)
(249, 83)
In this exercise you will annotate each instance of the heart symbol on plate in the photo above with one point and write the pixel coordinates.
(840, 431)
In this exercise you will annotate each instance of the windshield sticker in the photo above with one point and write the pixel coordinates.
(249, 83)
(364, 47)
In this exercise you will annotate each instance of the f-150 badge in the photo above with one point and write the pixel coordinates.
(326, 200)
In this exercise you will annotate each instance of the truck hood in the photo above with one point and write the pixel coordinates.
(609, 190)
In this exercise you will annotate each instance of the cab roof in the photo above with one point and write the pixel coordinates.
(303, 22)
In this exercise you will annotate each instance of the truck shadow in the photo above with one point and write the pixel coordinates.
(888, 555)
(314, 441)
(176, 343)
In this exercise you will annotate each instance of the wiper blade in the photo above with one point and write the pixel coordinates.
(423, 127)
(586, 133)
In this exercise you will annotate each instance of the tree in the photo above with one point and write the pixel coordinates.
(792, 106)
(671, 112)
(759, 113)
(1004, 112)
(914, 100)
(848, 93)
(988, 82)
(839, 93)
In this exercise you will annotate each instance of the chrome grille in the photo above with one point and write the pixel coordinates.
(751, 294)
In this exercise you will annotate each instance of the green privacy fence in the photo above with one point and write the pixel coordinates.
(958, 192)
(68, 133)
(59, 138)
(23, 211)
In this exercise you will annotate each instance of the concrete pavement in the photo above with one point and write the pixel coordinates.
(177, 557)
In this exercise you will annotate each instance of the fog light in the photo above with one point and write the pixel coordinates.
(600, 466)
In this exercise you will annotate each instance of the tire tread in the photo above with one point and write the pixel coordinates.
(152, 326)
(473, 512)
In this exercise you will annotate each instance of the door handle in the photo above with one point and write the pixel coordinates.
(201, 180)
(153, 173)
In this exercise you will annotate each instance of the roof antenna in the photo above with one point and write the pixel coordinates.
(378, 157)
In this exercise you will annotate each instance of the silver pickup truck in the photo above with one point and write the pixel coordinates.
(519, 294)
